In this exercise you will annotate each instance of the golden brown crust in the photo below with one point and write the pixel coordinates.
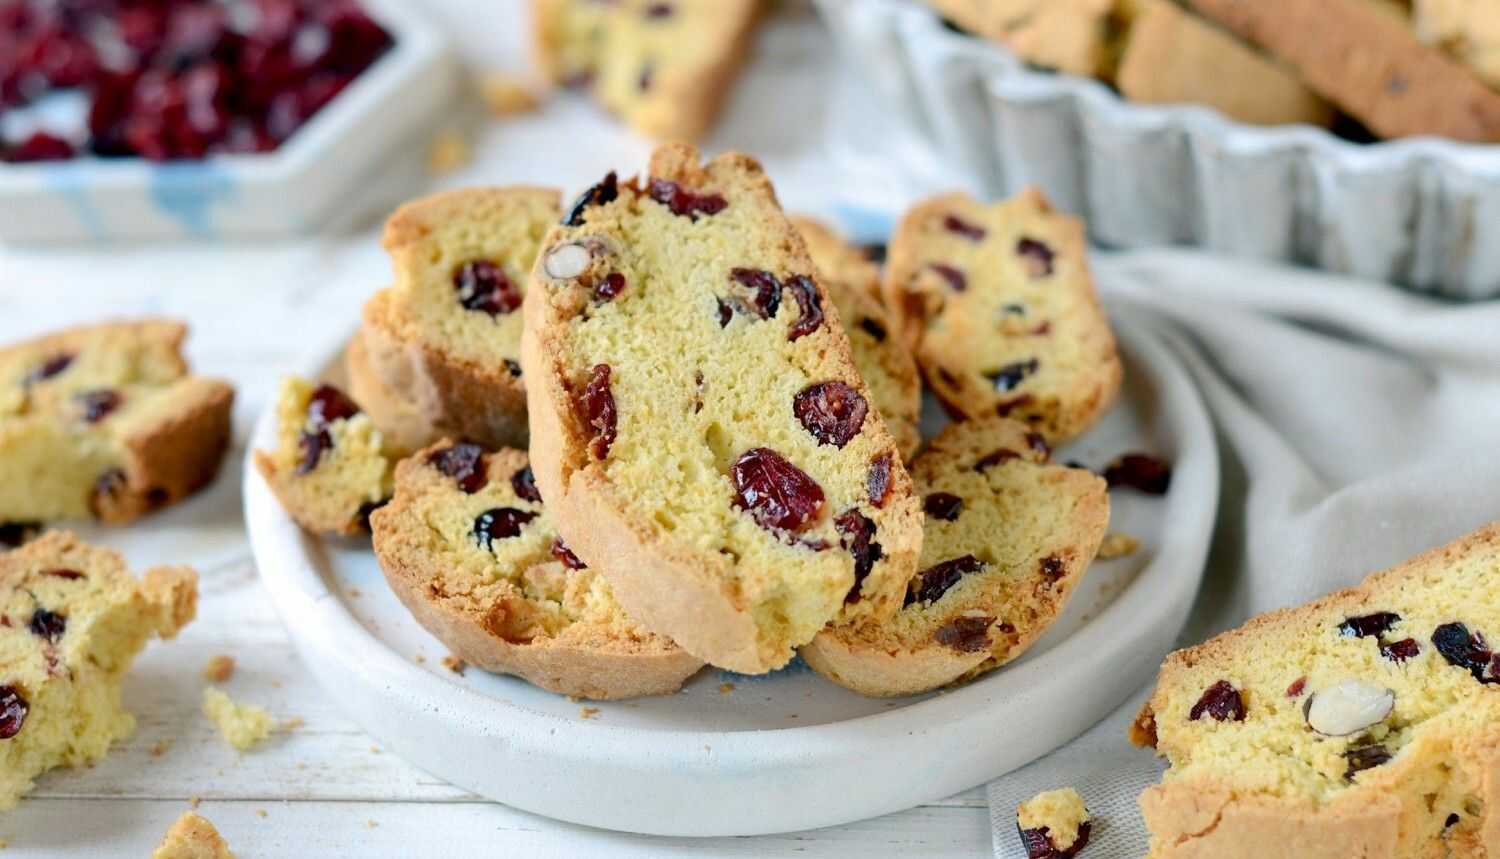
(1067, 35)
(174, 457)
(584, 660)
(1364, 56)
(404, 427)
(676, 587)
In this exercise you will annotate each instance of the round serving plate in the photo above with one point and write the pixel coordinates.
(739, 755)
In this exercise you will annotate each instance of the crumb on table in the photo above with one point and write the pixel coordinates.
(219, 668)
(588, 713)
(1117, 545)
(241, 725)
(454, 664)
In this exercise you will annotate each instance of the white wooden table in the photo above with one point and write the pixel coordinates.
(259, 311)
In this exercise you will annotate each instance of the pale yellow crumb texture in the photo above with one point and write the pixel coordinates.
(192, 837)
(1062, 812)
(241, 725)
(219, 668)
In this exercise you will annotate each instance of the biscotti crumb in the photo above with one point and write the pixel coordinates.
(454, 664)
(370, 824)
(241, 725)
(588, 712)
(507, 95)
(160, 747)
(192, 837)
(219, 668)
(449, 152)
(194, 802)
(261, 812)
(1117, 545)
(1054, 823)
(419, 659)
(726, 688)
(374, 750)
(292, 724)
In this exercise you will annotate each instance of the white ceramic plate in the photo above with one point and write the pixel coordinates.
(738, 755)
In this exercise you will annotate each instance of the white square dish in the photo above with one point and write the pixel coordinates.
(287, 192)
(1421, 212)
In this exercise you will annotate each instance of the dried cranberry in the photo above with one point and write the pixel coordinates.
(14, 534)
(833, 412)
(759, 293)
(562, 553)
(955, 278)
(683, 202)
(1139, 471)
(1365, 758)
(40, 146)
(462, 462)
(1000, 456)
(726, 313)
(1400, 651)
(329, 404)
(48, 368)
(777, 494)
(312, 444)
(965, 634)
(1038, 842)
(597, 406)
(1465, 650)
(1036, 256)
(499, 523)
(878, 481)
(13, 710)
(1053, 567)
(514, 367)
(938, 579)
(48, 625)
(609, 287)
(1221, 701)
(810, 302)
(97, 404)
(1010, 377)
(483, 286)
(604, 192)
(69, 575)
(1297, 688)
(943, 505)
(1370, 624)
(873, 328)
(955, 224)
(857, 536)
(524, 483)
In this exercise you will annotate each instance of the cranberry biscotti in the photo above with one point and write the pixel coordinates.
(72, 619)
(998, 305)
(1366, 723)
(699, 428)
(468, 547)
(1008, 537)
(105, 421)
(663, 67)
(447, 335)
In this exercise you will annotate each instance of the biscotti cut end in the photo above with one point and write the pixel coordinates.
(469, 548)
(1054, 824)
(1070, 36)
(1008, 536)
(665, 69)
(1172, 57)
(853, 282)
(103, 422)
(192, 837)
(72, 619)
(1364, 723)
(329, 468)
(705, 438)
(998, 304)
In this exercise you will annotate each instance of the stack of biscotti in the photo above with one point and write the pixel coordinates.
(1429, 68)
(106, 422)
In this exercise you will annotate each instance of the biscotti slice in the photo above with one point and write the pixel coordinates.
(1007, 539)
(447, 335)
(1054, 824)
(998, 305)
(72, 619)
(699, 428)
(1065, 35)
(852, 281)
(1366, 723)
(663, 67)
(192, 837)
(104, 421)
(1364, 56)
(404, 426)
(1466, 29)
(1173, 57)
(469, 549)
(329, 468)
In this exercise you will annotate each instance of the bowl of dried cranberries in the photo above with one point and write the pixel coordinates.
(204, 118)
